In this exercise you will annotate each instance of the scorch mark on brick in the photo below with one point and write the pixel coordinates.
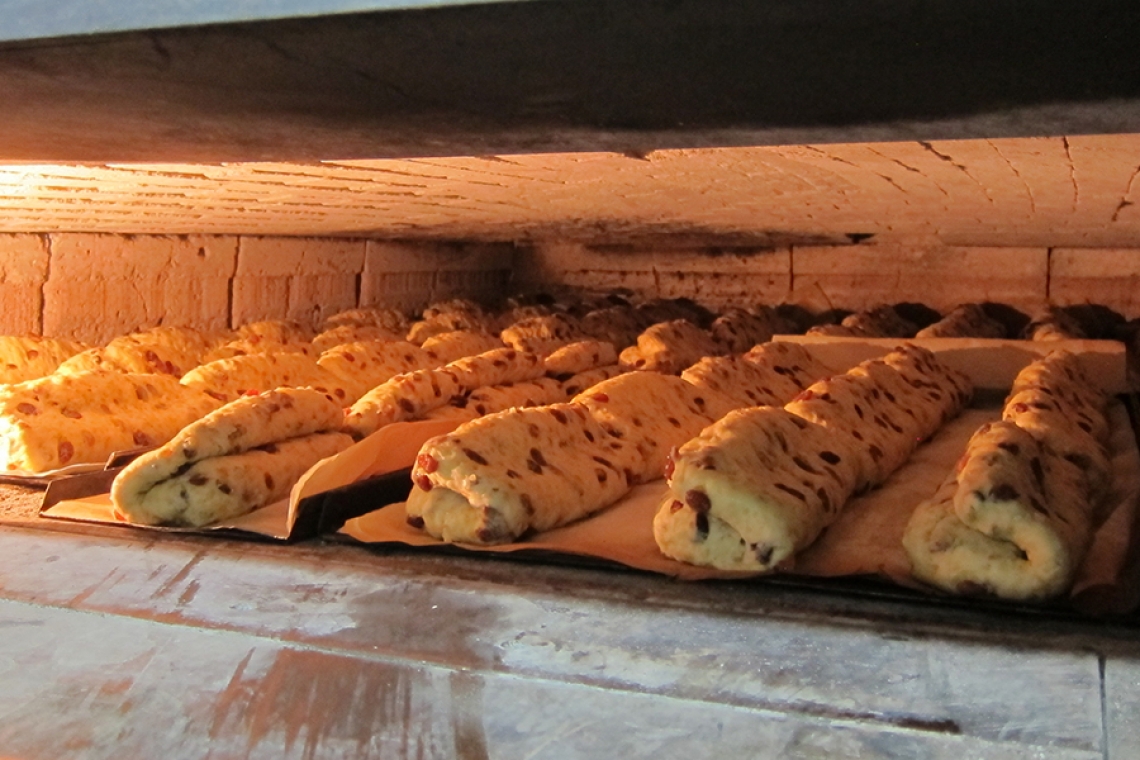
(1126, 199)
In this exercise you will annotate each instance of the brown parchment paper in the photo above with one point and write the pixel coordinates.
(622, 533)
(389, 449)
(865, 540)
(867, 537)
(1103, 585)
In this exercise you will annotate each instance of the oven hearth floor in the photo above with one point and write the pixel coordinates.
(122, 644)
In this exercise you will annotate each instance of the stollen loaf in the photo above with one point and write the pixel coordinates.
(227, 379)
(160, 350)
(791, 361)
(29, 357)
(341, 334)
(362, 366)
(580, 356)
(496, 398)
(238, 458)
(749, 383)
(588, 379)
(753, 489)
(408, 396)
(653, 413)
(542, 335)
(1015, 518)
(455, 344)
(669, 347)
(389, 319)
(1012, 520)
(496, 367)
(61, 420)
(497, 477)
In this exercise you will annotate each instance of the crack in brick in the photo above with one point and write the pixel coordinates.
(892, 183)
(479, 170)
(913, 169)
(825, 154)
(47, 243)
(1012, 168)
(960, 167)
(1072, 172)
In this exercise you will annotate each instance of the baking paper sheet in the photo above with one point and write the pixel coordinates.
(865, 540)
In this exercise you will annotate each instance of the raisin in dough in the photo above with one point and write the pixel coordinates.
(455, 344)
(497, 477)
(1012, 521)
(496, 367)
(580, 356)
(405, 397)
(1060, 375)
(248, 424)
(905, 408)
(61, 420)
(752, 490)
(161, 350)
(1056, 402)
(653, 413)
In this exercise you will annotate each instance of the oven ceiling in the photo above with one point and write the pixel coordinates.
(716, 120)
(1077, 191)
